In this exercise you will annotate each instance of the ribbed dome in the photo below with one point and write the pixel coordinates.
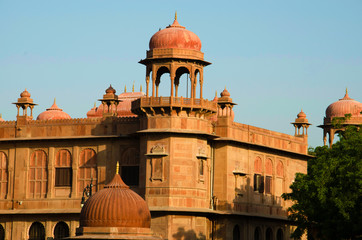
(343, 106)
(115, 206)
(54, 112)
(175, 36)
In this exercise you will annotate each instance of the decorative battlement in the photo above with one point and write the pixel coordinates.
(153, 105)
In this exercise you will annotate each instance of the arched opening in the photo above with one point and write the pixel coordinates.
(164, 88)
(182, 84)
(257, 233)
(198, 84)
(236, 233)
(37, 231)
(61, 231)
(269, 234)
(280, 234)
(2, 232)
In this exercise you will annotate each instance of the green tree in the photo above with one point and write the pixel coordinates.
(327, 201)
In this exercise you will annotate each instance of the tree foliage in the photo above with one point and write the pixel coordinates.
(327, 201)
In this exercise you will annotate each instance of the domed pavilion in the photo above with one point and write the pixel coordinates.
(348, 110)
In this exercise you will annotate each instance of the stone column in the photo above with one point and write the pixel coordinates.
(75, 167)
(51, 174)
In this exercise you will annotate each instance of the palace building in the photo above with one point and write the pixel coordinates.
(202, 175)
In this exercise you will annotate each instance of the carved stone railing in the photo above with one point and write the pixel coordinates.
(175, 102)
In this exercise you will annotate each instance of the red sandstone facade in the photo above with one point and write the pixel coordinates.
(202, 175)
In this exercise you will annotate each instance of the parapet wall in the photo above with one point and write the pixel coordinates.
(69, 127)
(267, 138)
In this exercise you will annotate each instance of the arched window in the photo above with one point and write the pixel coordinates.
(279, 180)
(61, 231)
(236, 233)
(63, 169)
(3, 175)
(280, 234)
(87, 169)
(258, 178)
(269, 234)
(257, 234)
(268, 176)
(2, 232)
(38, 174)
(37, 231)
(280, 169)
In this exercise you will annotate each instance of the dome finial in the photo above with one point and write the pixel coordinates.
(141, 88)
(215, 93)
(133, 86)
(55, 100)
(125, 88)
(175, 15)
(117, 168)
(95, 104)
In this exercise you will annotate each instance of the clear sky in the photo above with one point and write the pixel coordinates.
(274, 57)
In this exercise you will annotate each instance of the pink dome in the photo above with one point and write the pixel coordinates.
(343, 106)
(54, 112)
(175, 36)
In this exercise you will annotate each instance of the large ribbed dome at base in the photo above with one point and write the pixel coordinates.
(115, 206)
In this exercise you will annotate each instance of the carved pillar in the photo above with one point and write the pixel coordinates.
(154, 75)
(75, 167)
(51, 174)
(201, 83)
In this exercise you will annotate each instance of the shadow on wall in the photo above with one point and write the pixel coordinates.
(188, 235)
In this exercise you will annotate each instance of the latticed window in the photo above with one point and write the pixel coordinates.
(269, 176)
(258, 178)
(38, 174)
(63, 169)
(87, 169)
(37, 231)
(3, 175)
(61, 231)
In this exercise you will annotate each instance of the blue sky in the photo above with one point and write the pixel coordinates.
(274, 57)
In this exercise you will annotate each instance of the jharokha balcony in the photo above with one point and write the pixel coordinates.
(167, 105)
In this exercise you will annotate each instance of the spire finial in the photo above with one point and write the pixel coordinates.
(215, 93)
(95, 104)
(55, 100)
(346, 90)
(133, 86)
(141, 88)
(117, 168)
(125, 88)
(175, 15)
(1, 115)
